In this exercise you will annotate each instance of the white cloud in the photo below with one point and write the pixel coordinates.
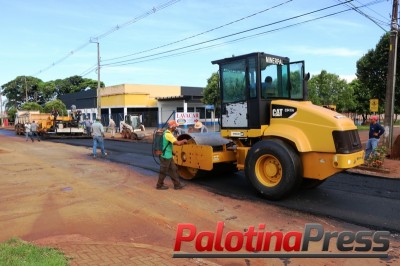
(348, 78)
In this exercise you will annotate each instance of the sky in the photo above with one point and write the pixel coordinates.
(172, 42)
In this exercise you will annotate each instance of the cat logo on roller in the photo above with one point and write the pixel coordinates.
(281, 111)
(277, 112)
(269, 129)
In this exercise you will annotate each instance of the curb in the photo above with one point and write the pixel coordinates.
(382, 170)
(371, 172)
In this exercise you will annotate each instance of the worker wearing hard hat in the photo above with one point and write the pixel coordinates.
(200, 127)
(167, 164)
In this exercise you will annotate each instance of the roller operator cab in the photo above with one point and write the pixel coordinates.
(270, 130)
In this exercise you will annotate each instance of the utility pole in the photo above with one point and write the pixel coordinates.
(95, 40)
(98, 82)
(26, 90)
(391, 79)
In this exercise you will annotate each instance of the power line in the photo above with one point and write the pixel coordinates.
(86, 72)
(233, 34)
(105, 34)
(161, 56)
(374, 20)
(62, 59)
(380, 15)
(202, 33)
(230, 41)
(89, 70)
(147, 13)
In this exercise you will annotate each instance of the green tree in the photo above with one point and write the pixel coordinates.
(22, 89)
(31, 106)
(346, 102)
(296, 83)
(361, 99)
(11, 114)
(372, 71)
(48, 91)
(328, 89)
(55, 105)
(212, 92)
(30, 89)
(74, 84)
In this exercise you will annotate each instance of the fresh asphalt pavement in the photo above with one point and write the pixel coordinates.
(364, 200)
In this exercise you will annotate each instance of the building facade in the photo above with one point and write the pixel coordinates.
(156, 104)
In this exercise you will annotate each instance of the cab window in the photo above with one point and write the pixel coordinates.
(274, 81)
(233, 82)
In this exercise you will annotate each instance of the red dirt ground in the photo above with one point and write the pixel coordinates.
(99, 212)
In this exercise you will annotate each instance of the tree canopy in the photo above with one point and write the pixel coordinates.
(22, 89)
(329, 89)
(372, 71)
(211, 92)
(55, 105)
(25, 89)
(31, 106)
(361, 98)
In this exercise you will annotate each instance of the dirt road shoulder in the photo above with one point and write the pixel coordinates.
(100, 212)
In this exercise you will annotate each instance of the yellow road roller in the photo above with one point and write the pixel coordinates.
(270, 130)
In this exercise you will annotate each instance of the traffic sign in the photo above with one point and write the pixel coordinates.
(373, 105)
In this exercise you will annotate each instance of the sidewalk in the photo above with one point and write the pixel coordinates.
(82, 252)
(390, 169)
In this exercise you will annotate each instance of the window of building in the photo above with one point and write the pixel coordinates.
(189, 109)
(201, 111)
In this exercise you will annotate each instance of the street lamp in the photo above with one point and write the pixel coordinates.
(95, 40)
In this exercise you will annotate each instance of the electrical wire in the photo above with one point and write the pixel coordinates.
(88, 71)
(382, 16)
(202, 33)
(374, 20)
(230, 35)
(167, 54)
(147, 13)
(232, 41)
(105, 34)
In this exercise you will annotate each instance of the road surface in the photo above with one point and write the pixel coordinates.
(359, 199)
